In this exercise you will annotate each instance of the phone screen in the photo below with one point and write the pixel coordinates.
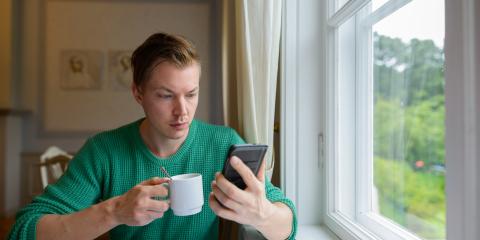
(251, 154)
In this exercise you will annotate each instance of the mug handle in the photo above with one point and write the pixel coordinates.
(163, 198)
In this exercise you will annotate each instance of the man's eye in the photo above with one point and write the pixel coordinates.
(164, 96)
(191, 95)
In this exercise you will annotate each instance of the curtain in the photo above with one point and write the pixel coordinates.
(250, 60)
(250, 53)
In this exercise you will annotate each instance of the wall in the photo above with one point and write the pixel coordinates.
(67, 117)
(35, 112)
(10, 116)
(5, 52)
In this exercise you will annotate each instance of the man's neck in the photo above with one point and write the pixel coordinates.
(158, 144)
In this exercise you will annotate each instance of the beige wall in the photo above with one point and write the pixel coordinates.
(28, 74)
(5, 53)
(100, 27)
(67, 118)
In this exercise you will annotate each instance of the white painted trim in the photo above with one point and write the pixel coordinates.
(364, 114)
(470, 122)
(315, 232)
(384, 11)
(345, 228)
(385, 228)
(346, 12)
(461, 138)
(302, 62)
(289, 102)
(331, 115)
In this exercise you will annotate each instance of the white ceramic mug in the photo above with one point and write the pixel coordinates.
(186, 194)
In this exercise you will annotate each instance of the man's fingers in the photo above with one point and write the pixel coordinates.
(156, 190)
(224, 199)
(247, 175)
(154, 181)
(154, 215)
(220, 210)
(157, 206)
(229, 188)
(261, 171)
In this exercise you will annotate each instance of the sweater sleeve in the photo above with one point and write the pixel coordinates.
(77, 189)
(273, 193)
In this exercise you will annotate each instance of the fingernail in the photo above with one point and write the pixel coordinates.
(234, 160)
(217, 173)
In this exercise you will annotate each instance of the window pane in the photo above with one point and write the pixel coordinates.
(409, 116)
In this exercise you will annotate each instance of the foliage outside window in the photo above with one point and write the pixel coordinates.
(409, 166)
(409, 124)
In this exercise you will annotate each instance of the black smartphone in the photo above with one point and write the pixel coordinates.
(251, 154)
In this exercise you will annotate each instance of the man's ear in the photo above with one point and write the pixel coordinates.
(137, 94)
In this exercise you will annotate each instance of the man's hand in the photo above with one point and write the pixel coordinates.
(137, 208)
(249, 206)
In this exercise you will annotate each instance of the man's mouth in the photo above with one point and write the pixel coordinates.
(179, 125)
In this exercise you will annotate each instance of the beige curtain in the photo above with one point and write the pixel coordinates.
(250, 51)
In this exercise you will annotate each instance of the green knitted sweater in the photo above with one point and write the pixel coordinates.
(112, 162)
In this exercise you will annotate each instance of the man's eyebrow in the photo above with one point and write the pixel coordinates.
(170, 91)
(165, 89)
(193, 90)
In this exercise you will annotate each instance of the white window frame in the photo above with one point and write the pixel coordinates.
(462, 110)
(364, 223)
(361, 222)
(462, 106)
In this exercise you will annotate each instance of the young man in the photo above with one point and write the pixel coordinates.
(112, 184)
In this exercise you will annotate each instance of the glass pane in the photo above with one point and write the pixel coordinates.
(409, 116)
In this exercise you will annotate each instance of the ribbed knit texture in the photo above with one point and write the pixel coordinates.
(112, 162)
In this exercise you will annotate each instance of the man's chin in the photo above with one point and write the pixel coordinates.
(177, 135)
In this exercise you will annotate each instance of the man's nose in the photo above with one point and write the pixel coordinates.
(180, 108)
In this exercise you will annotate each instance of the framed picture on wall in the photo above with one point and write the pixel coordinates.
(81, 69)
(86, 50)
(120, 73)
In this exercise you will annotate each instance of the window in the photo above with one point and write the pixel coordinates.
(385, 118)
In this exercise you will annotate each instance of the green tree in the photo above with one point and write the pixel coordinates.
(409, 100)
(410, 133)
(409, 72)
(409, 128)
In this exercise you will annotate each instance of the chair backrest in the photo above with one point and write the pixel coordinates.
(53, 163)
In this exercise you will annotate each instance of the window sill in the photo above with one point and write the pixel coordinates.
(317, 232)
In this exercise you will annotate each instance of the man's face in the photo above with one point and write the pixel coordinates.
(76, 64)
(169, 99)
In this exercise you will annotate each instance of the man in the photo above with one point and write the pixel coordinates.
(111, 184)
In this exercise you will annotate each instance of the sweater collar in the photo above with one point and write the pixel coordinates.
(172, 159)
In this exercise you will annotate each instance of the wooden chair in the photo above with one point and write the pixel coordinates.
(52, 164)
